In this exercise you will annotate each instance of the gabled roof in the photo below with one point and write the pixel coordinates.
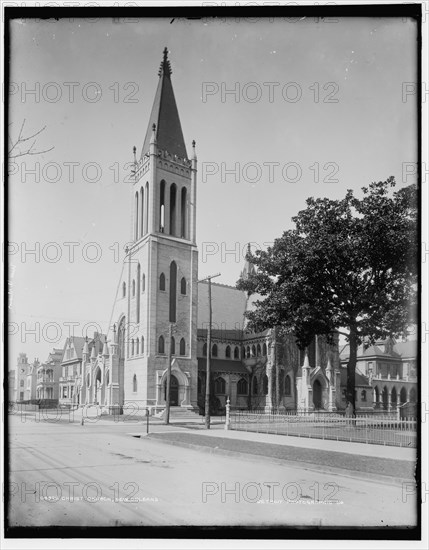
(164, 114)
(228, 307)
(360, 379)
(400, 350)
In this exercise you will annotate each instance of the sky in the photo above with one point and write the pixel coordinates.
(297, 108)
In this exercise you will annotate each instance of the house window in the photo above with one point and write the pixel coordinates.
(220, 386)
(134, 383)
(264, 349)
(183, 286)
(214, 350)
(182, 347)
(161, 347)
(228, 351)
(242, 388)
(162, 282)
(236, 353)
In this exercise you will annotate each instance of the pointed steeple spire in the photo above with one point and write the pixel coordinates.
(249, 269)
(164, 114)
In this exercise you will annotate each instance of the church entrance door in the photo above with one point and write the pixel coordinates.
(317, 395)
(174, 391)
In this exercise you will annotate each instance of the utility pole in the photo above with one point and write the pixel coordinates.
(209, 350)
(168, 381)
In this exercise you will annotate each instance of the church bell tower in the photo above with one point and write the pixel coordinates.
(158, 289)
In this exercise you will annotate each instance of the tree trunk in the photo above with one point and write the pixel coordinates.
(351, 373)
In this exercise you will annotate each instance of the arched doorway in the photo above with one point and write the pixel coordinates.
(174, 391)
(98, 387)
(317, 395)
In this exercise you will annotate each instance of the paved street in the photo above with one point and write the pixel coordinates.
(100, 475)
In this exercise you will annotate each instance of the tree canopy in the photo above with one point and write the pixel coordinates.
(349, 266)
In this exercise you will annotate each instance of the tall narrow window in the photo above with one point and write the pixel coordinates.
(132, 346)
(138, 295)
(124, 289)
(162, 207)
(173, 193)
(141, 211)
(258, 350)
(265, 384)
(173, 283)
(183, 286)
(146, 211)
(137, 346)
(134, 288)
(134, 383)
(142, 346)
(214, 350)
(161, 348)
(228, 351)
(143, 282)
(264, 349)
(173, 346)
(182, 350)
(162, 282)
(205, 349)
(183, 214)
(136, 220)
(236, 353)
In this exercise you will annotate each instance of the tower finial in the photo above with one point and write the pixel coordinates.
(165, 67)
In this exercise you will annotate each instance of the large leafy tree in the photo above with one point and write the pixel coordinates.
(349, 267)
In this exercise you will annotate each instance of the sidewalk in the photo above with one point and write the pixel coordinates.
(373, 462)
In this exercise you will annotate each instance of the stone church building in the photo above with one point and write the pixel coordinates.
(159, 289)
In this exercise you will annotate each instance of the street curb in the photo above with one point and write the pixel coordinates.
(354, 474)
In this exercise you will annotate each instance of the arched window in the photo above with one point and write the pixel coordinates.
(137, 346)
(205, 349)
(228, 351)
(124, 289)
(220, 386)
(248, 351)
(243, 352)
(146, 213)
(413, 395)
(242, 388)
(182, 347)
(143, 282)
(363, 395)
(403, 396)
(173, 193)
(236, 353)
(255, 386)
(258, 350)
(183, 286)
(183, 215)
(288, 386)
(134, 383)
(214, 350)
(121, 339)
(173, 285)
(161, 346)
(162, 282)
(141, 211)
(142, 346)
(134, 288)
(265, 384)
(132, 346)
(264, 349)
(253, 351)
(173, 346)
(136, 220)
(162, 207)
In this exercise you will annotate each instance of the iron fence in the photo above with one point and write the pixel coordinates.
(364, 428)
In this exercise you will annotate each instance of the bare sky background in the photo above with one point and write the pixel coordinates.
(366, 135)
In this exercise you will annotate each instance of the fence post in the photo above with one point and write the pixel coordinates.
(227, 418)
